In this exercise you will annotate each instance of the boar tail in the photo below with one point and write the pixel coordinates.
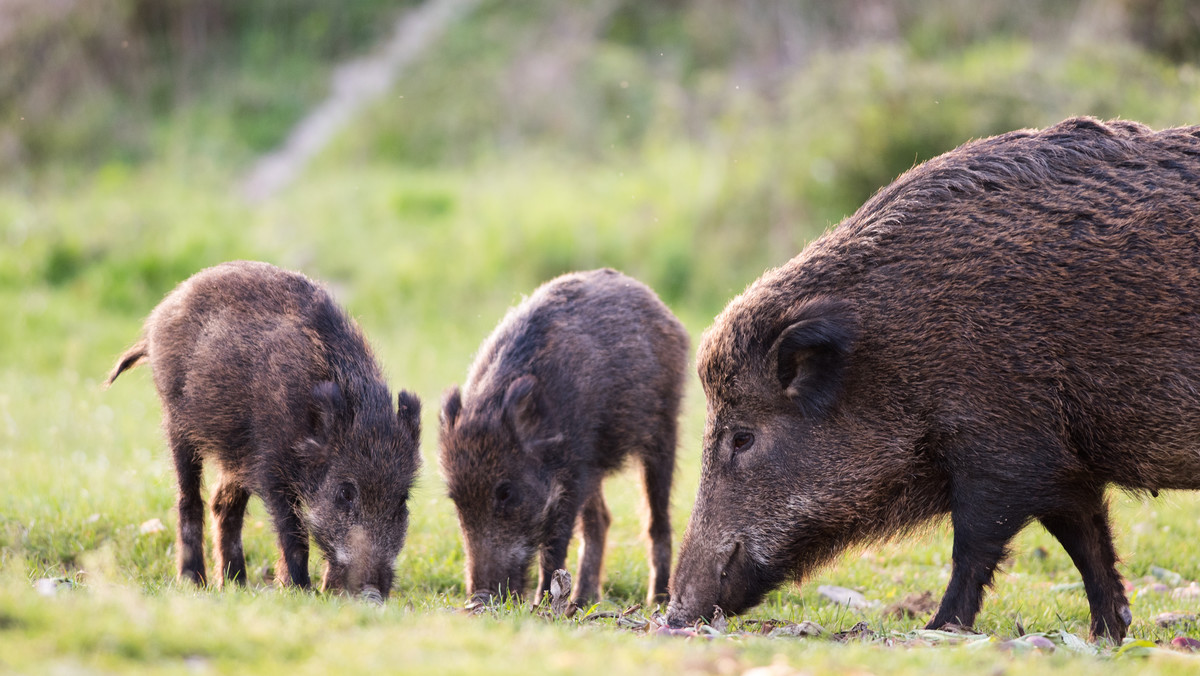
(132, 357)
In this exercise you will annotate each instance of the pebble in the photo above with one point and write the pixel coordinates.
(1186, 643)
(1040, 642)
(151, 526)
(804, 628)
(843, 597)
(49, 586)
(1191, 591)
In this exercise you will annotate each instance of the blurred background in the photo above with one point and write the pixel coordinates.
(472, 150)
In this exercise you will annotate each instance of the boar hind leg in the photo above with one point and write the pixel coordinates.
(189, 472)
(658, 472)
(593, 525)
(229, 508)
(1086, 536)
(293, 542)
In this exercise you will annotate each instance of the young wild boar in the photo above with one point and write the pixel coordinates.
(260, 371)
(997, 335)
(586, 371)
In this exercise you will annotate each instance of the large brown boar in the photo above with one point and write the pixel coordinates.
(260, 371)
(586, 371)
(998, 335)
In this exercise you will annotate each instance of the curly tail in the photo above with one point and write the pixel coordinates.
(132, 357)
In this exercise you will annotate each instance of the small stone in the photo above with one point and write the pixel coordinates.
(1167, 620)
(686, 632)
(1168, 576)
(843, 597)
(49, 586)
(1186, 643)
(1040, 642)
(151, 526)
(803, 629)
(1191, 591)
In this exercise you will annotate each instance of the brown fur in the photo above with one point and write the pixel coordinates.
(997, 335)
(586, 371)
(261, 372)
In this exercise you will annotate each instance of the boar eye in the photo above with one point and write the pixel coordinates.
(742, 441)
(504, 494)
(347, 493)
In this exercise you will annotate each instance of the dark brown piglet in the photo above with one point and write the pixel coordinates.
(997, 336)
(261, 372)
(586, 371)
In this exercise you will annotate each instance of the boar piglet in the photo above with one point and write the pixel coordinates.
(261, 372)
(586, 371)
(997, 336)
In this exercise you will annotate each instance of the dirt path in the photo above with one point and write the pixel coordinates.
(355, 84)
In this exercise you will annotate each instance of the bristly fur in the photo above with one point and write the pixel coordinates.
(585, 372)
(999, 334)
(260, 371)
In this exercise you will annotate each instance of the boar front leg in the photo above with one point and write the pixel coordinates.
(559, 523)
(1087, 537)
(293, 539)
(593, 525)
(986, 513)
(658, 471)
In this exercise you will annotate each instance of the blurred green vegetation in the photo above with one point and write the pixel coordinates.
(690, 143)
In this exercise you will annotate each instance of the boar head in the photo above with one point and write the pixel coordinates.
(358, 511)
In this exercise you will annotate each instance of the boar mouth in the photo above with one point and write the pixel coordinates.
(727, 576)
(353, 576)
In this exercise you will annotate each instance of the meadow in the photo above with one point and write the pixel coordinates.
(432, 214)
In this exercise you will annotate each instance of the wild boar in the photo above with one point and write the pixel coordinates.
(586, 371)
(261, 372)
(998, 335)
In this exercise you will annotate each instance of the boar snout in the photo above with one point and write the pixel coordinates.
(697, 584)
(495, 570)
(358, 568)
(724, 576)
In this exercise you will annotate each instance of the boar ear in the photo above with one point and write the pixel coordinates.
(330, 405)
(451, 406)
(525, 414)
(811, 355)
(409, 411)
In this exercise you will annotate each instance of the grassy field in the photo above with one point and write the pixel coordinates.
(657, 152)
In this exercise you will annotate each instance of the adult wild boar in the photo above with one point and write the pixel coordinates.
(260, 371)
(997, 335)
(586, 371)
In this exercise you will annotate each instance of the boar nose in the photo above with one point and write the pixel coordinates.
(371, 594)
